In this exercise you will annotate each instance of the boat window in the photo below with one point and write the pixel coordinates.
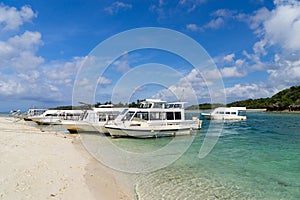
(177, 105)
(128, 115)
(145, 105)
(221, 112)
(227, 113)
(111, 116)
(155, 115)
(170, 116)
(241, 113)
(123, 111)
(142, 115)
(233, 113)
(170, 106)
(102, 117)
(177, 115)
(158, 105)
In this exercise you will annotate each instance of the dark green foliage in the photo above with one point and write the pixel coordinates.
(288, 99)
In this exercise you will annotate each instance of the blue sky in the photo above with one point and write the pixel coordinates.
(255, 45)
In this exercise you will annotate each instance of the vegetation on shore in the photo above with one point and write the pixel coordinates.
(288, 99)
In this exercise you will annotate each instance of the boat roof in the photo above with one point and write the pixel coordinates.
(231, 108)
(106, 106)
(178, 102)
(153, 101)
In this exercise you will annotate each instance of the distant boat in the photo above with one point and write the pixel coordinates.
(32, 112)
(227, 113)
(54, 117)
(15, 113)
(155, 118)
(93, 120)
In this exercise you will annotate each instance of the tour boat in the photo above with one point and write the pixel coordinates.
(93, 120)
(154, 118)
(227, 113)
(32, 112)
(54, 117)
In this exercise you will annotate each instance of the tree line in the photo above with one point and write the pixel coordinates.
(288, 99)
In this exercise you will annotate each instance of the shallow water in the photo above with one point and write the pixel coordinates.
(254, 159)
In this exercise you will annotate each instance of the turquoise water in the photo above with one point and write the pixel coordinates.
(254, 159)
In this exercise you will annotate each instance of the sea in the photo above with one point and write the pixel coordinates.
(258, 158)
(254, 159)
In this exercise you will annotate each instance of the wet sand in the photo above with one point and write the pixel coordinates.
(52, 165)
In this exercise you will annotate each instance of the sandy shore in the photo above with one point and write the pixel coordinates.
(52, 165)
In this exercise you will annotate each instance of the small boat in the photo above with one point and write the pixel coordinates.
(33, 112)
(154, 118)
(93, 120)
(54, 117)
(227, 113)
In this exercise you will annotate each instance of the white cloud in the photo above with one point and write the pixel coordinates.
(12, 19)
(246, 91)
(122, 65)
(115, 7)
(214, 23)
(286, 72)
(229, 58)
(283, 27)
(193, 27)
(104, 81)
(190, 5)
(256, 20)
(18, 52)
(229, 72)
(62, 72)
(11, 87)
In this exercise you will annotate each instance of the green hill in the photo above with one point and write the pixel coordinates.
(288, 99)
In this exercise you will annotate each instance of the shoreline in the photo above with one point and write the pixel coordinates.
(39, 164)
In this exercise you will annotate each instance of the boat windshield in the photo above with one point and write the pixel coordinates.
(128, 116)
(242, 113)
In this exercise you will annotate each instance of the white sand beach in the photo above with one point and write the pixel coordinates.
(52, 165)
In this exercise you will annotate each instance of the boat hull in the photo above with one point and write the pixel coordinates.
(81, 126)
(143, 132)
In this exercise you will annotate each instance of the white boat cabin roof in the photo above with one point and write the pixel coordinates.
(157, 103)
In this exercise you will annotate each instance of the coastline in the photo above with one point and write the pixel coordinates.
(39, 164)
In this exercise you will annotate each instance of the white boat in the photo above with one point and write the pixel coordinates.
(54, 117)
(32, 112)
(227, 113)
(93, 120)
(155, 118)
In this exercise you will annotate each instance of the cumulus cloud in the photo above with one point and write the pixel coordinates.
(18, 52)
(193, 27)
(249, 91)
(286, 71)
(229, 58)
(229, 72)
(104, 81)
(116, 7)
(278, 30)
(122, 65)
(283, 27)
(12, 19)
